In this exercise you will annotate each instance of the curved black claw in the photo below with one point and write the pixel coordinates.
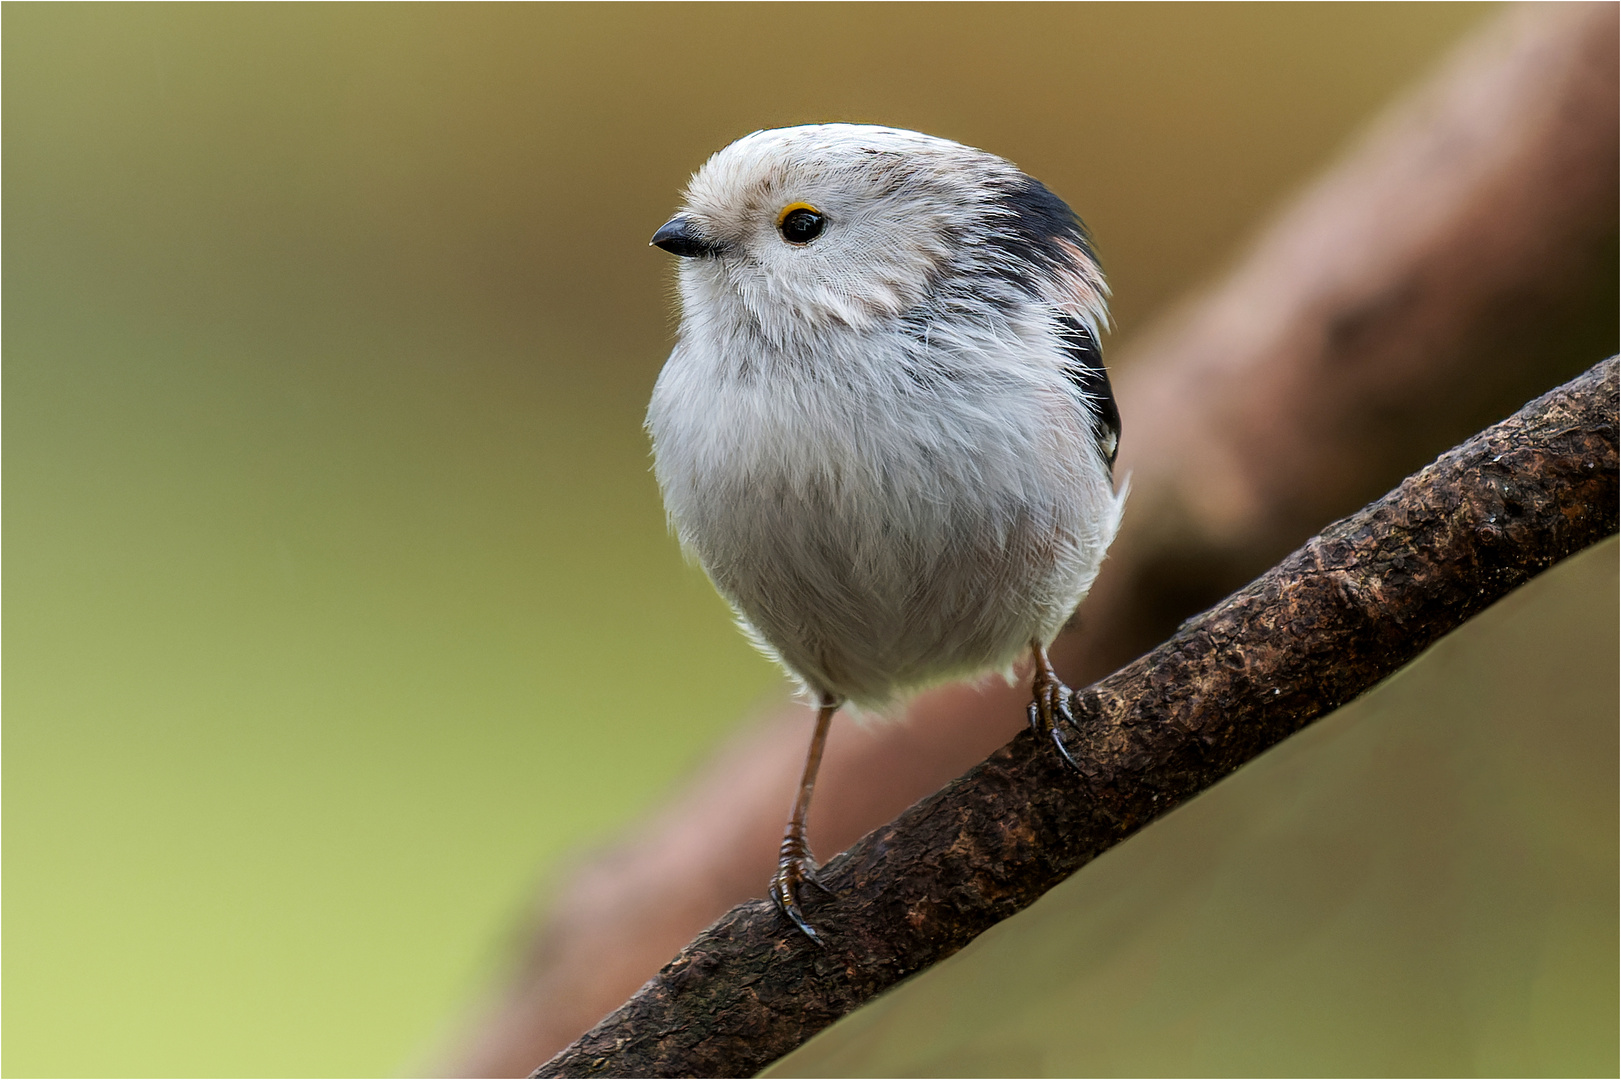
(814, 878)
(1050, 712)
(792, 872)
(1063, 751)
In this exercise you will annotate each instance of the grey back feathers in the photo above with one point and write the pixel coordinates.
(889, 445)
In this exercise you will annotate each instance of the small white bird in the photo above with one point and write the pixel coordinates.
(886, 431)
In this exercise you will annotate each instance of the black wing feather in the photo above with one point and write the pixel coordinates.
(1086, 371)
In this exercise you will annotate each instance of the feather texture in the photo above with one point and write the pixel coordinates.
(881, 445)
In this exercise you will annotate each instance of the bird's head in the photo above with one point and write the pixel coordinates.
(826, 228)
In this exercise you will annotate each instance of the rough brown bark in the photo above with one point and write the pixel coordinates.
(1355, 603)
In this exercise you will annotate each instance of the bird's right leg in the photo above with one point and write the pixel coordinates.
(1050, 710)
(794, 864)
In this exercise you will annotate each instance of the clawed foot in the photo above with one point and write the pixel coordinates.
(1050, 710)
(795, 869)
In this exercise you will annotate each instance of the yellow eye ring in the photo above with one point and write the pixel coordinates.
(791, 207)
(800, 223)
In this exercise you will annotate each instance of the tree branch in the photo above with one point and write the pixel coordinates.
(1358, 601)
(1455, 261)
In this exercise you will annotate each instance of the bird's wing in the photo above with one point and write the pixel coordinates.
(1085, 369)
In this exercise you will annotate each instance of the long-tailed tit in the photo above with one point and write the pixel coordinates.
(886, 431)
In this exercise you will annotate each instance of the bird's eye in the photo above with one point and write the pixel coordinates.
(800, 224)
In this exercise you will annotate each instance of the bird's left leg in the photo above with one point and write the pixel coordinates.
(794, 864)
(1051, 705)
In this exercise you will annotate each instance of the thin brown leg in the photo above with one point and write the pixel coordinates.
(1051, 705)
(794, 864)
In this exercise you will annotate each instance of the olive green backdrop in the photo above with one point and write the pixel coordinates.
(339, 605)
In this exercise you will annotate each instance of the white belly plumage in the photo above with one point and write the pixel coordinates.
(875, 547)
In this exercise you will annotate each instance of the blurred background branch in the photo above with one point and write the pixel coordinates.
(1457, 261)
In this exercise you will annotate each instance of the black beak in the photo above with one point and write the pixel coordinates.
(678, 236)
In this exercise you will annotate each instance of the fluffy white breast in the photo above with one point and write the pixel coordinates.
(874, 443)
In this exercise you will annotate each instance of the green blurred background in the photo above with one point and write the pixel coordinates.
(331, 537)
